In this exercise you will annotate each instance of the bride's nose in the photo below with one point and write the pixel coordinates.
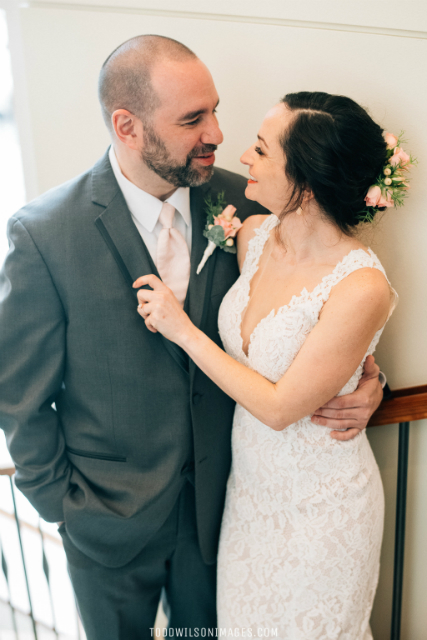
(246, 157)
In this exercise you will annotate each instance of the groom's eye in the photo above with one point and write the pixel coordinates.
(195, 121)
(192, 122)
(259, 151)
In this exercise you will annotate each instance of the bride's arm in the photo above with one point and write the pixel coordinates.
(357, 308)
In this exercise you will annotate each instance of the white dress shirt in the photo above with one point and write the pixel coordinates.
(145, 209)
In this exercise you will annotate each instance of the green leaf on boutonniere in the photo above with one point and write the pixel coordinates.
(216, 234)
(213, 210)
(229, 249)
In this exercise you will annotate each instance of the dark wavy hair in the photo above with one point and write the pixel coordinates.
(333, 148)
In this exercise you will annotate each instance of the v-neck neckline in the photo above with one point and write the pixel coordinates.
(295, 298)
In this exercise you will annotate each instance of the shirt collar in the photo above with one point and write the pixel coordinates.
(145, 207)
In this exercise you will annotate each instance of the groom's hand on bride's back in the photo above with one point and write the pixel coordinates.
(352, 411)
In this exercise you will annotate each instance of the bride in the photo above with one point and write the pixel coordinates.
(302, 527)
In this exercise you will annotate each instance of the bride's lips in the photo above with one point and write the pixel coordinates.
(206, 160)
(252, 181)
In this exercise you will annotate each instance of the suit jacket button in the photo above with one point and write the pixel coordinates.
(196, 398)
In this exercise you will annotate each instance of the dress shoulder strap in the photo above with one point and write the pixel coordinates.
(256, 245)
(356, 259)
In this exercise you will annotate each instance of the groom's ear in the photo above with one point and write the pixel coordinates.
(128, 128)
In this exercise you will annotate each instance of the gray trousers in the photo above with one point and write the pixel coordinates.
(121, 604)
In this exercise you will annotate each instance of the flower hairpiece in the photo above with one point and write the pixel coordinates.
(391, 186)
(221, 227)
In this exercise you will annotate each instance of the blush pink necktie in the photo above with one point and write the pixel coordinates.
(173, 258)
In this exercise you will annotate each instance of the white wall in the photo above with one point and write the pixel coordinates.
(374, 51)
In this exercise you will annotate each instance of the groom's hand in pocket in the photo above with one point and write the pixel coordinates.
(352, 412)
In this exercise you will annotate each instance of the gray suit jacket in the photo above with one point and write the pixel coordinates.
(104, 420)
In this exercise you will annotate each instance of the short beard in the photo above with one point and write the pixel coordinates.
(158, 159)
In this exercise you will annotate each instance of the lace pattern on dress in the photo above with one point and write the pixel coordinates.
(302, 525)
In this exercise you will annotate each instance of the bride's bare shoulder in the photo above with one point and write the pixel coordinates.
(365, 291)
(246, 233)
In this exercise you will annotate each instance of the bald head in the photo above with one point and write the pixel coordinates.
(125, 77)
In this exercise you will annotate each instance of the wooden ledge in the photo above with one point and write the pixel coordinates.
(7, 471)
(406, 405)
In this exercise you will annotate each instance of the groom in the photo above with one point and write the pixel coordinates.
(114, 433)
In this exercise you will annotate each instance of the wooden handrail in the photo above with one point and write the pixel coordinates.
(406, 405)
(27, 525)
(7, 471)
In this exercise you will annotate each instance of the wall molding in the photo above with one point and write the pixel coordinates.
(192, 15)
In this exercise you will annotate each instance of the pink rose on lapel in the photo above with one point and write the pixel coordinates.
(226, 220)
(221, 227)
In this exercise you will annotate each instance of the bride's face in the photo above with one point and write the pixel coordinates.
(268, 183)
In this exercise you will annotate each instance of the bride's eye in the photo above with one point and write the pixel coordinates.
(258, 151)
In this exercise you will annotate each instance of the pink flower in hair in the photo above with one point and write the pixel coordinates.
(400, 157)
(387, 200)
(391, 185)
(375, 198)
(391, 140)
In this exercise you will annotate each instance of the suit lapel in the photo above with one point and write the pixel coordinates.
(200, 285)
(122, 238)
(116, 222)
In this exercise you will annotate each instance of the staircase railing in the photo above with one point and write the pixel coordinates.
(36, 625)
(405, 406)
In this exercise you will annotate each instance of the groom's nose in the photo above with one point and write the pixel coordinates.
(212, 134)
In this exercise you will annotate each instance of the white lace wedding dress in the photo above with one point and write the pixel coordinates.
(303, 520)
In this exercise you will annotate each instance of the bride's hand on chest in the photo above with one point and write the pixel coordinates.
(161, 310)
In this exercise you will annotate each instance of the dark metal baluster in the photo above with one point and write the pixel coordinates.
(18, 526)
(399, 541)
(46, 571)
(78, 624)
(6, 575)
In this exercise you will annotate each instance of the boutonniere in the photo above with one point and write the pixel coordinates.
(221, 228)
